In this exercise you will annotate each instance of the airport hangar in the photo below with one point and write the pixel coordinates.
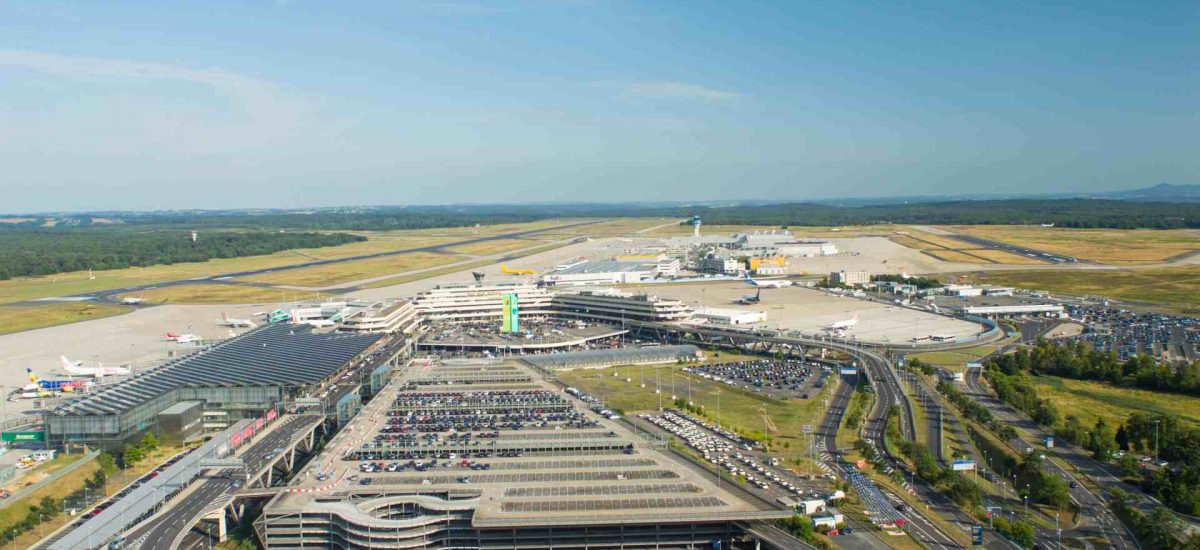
(242, 377)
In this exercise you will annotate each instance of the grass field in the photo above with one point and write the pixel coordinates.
(956, 359)
(1091, 400)
(221, 294)
(488, 248)
(18, 318)
(956, 256)
(356, 270)
(824, 232)
(740, 409)
(66, 284)
(953, 250)
(1109, 246)
(1175, 288)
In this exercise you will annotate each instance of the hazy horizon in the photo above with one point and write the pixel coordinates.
(290, 104)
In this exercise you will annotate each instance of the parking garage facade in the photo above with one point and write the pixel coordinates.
(491, 455)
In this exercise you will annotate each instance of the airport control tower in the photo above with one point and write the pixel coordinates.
(696, 227)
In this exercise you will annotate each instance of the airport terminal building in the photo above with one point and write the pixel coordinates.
(239, 378)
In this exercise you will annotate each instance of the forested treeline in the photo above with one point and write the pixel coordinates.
(31, 252)
(1061, 212)
(1178, 483)
(1081, 361)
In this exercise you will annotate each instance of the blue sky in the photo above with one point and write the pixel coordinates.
(300, 103)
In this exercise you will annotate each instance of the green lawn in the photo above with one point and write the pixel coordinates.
(1091, 400)
(1173, 289)
(739, 409)
(18, 318)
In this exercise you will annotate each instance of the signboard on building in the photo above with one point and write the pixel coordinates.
(961, 465)
(510, 316)
(846, 371)
(11, 437)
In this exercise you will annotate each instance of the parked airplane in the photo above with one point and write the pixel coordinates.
(226, 321)
(844, 325)
(315, 323)
(183, 338)
(767, 283)
(505, 269)
(98, 371)
(66, 386)
(750, 300)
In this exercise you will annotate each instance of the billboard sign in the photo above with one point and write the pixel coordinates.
(976, 535)
(846, 371)
(960, 465)
(258, 424)
(510, 316)
(11, 437)
(270, 415)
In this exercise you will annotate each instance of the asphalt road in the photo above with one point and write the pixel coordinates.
(180, 515)
(1099, 521)
(111, 295)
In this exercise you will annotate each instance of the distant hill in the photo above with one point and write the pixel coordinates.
(1163, 192)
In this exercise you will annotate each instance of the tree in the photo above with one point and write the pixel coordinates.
(1129, 465)
(133, 455)
(108, 464)
(149, 442)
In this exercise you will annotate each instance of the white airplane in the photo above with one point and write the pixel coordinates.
(772, 283)
(134, 300)
(844, 325)
(98, 371)
(226, 321)
(183, 338)
(315, 323)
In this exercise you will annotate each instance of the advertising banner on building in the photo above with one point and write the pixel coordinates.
(510, 316)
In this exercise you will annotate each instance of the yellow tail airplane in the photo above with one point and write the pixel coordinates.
(505, 269)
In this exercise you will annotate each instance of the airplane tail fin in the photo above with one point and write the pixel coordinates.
(66, 363)
(32, 377)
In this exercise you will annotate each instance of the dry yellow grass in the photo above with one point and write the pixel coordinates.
(1002, 257)
(955, 256)
(218, 294)
(18, 318)
(1175, 288)
(493, 247)
(913, 243)
(67, 284)
(939, 240)
(1113, 246)
(325, 275)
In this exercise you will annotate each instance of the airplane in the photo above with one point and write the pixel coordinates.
(505, 269)
(65, 386)
(843, 325)
(183, 338)
(749, 300)
(315, 323)
(98, 371)
(133, 301)
(773, 283)
(226, 321)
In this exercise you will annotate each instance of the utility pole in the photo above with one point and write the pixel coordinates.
(1156, 442)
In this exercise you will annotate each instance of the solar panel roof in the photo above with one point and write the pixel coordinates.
(274, 355)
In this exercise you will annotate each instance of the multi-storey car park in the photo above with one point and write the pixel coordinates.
(238, 378)
(491, 455)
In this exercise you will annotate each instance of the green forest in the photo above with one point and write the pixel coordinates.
(31, 252)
